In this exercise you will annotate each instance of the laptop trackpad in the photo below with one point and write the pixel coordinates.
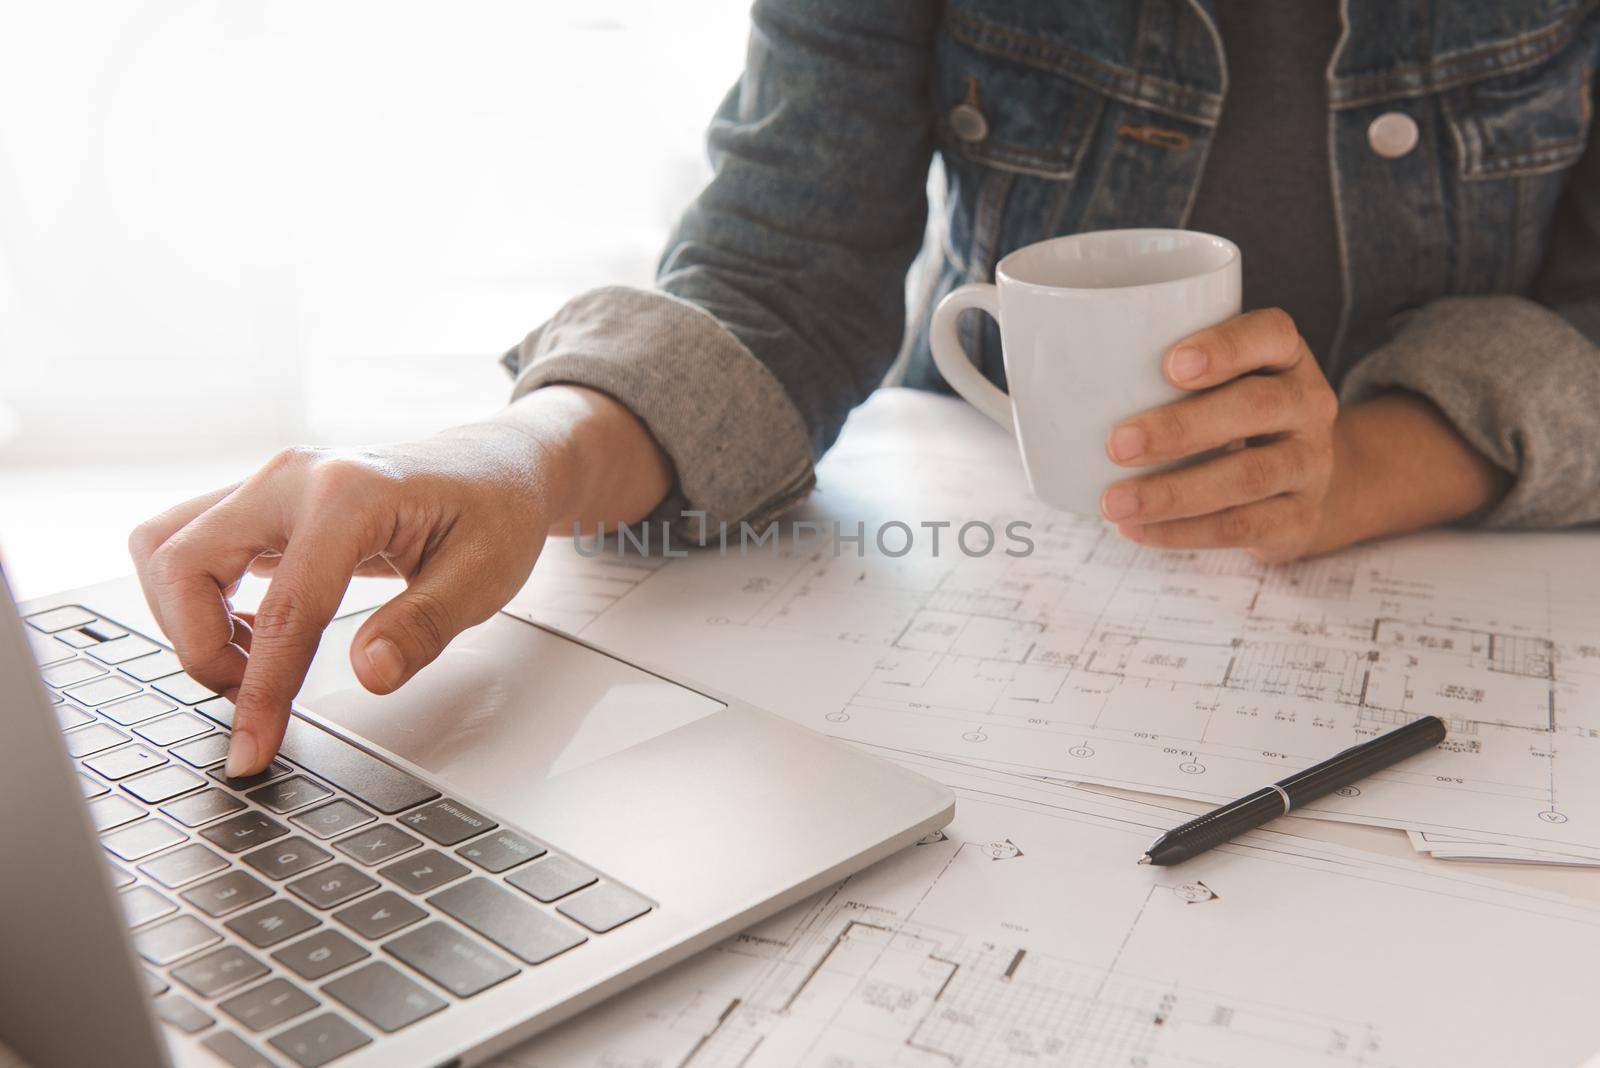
(506, 703)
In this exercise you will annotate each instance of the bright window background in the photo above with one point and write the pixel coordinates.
(230, 226)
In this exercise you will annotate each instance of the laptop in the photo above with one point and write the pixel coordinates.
(428, 878)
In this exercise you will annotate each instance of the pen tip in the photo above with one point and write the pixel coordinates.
(1145, 859)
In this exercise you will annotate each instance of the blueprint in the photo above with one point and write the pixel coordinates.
(1023, 935)
(1196, 674)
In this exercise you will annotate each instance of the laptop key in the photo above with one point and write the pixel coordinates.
(334, 818)
(289, 856)
(374, 846)
(551, 878)
(219, 710)
(120, 763)
(183, 689)
(170, 730)
(153, 983)
(266, 1006)
(60, 619)
(459, 964)
(70, 715)
(143, 838)
(173, 939)
(116, 650)
(183, 865)
(380, 915)
(137, 709)
(234, 1051)
(227, 893)
(447, 822)
(101, 691)
(119, 877)
(331, 886)
(276, 921)
(203, 807)
(182, 1013)
(319, 1040)
(141, 904)
(113, 811)
(382, 996)
(220, 971)
(285, 795)
(95, 738)
(203, 752)
(422, 872)
(91, 787)
(603, 908)
(46, 650)
(275, 770)
(71, 673)
(153, 667)
(241, 832)
(321, 954)
(501, 851)
(163, 785)
(507, 920)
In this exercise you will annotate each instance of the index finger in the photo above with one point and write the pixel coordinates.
(1265, 340)
(305, 593)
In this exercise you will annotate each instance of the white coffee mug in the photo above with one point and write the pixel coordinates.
(1084, 322)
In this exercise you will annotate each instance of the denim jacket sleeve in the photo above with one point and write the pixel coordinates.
(780, 298)
(1518, 376)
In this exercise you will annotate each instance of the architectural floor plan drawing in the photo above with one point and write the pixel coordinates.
(1093, 659)
(1023, 935)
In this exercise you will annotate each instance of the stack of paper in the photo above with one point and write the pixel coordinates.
(927, 605)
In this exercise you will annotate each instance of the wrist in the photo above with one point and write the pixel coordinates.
(587, 458)
(1400, 465)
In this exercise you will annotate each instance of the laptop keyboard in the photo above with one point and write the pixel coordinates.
(311, 909)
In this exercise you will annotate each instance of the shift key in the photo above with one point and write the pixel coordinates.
(507, 920)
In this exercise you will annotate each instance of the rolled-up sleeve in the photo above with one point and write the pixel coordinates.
(1519, 382)
(780, 297)
(1518, 376)
(738, 445)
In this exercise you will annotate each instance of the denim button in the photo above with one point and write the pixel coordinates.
(1392, 134)
(968, 123)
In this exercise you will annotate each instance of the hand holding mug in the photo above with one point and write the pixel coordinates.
(1257, 392)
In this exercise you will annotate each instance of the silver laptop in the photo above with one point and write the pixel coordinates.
(423, 879)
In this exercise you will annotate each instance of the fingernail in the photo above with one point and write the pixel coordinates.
(1118, 503)
(386, 662)
(242, 752)
(1186, 364)
(1127, 443)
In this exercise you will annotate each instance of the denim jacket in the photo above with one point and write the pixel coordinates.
(1470, 263)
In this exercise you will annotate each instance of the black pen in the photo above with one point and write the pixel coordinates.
(1268, 803)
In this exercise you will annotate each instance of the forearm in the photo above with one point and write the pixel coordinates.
(593, 460)
(1399, 465)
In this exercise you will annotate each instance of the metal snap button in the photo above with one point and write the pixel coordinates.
(968, 123)
(1392, 134)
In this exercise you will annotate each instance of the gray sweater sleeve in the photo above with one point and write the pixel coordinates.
(1519, 377)
(739, 447)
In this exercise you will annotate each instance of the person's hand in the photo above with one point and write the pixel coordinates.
(461, 517)
(1260, 398)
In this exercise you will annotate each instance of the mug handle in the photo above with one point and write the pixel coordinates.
(952, 359)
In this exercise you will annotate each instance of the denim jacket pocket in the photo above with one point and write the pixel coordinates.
(1526, 123)
(1000, 111)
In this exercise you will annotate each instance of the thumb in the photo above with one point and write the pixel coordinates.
(407, 633)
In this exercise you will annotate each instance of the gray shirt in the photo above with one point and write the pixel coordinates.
(1278, 211)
